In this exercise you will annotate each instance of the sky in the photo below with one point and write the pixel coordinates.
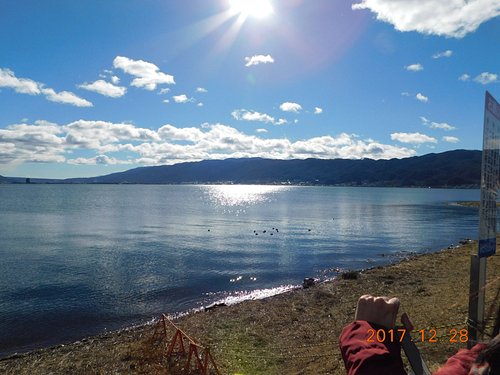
(93, 87)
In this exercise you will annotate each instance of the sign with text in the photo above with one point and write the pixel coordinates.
(490, 169)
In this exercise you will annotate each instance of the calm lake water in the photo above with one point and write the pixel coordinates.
(76, 260)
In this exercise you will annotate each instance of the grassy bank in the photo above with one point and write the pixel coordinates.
(292, 333)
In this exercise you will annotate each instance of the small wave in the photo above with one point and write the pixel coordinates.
(245, 295)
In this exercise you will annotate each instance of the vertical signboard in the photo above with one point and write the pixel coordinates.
(489, 177)
(487, 218)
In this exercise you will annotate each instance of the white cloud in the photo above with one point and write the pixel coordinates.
(166, 101)
(170, 132)
(104, 88)
(201, 89)
(446, 53)
(436, 125)
(405, 93)
(486, 77)
(243, 114)
(483, 78)
(200, 104)
(451, 139)
(414, 67)
(148, 75)
(464, 77)
(451, 18)
(20, 85)
(258, 59)
(98, 160)
(261, 130)
(442, 126)
(415, 138)
(28, 86)
(318, 110)
(65, 97)
(40, 142)
(422, 97)
(115, 80)
(181, 98)
(47, 142)
(163, 91)
(291, 107)
(99, 135)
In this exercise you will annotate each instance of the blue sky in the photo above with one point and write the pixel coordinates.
(93, 87)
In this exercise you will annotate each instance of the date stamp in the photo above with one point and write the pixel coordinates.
(424, 335)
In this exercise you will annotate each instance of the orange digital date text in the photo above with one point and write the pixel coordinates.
(429, 335)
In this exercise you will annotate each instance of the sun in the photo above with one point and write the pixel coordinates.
(254, 8)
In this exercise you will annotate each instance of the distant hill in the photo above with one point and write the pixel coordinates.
(459, 168)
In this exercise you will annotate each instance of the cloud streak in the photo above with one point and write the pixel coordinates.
(104, 88)
(414, 67)
(65, 97)
(464, 77)
(53, 143)
(30, 87)
(446, 53)
(451, 139)
(245, 115)
(414, 138)
(258, 59)
(19, 85)
(436, 125)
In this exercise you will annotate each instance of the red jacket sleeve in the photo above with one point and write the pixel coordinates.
(461, 363)
(363, 357)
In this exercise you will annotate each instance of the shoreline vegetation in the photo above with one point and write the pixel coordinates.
(291, 333)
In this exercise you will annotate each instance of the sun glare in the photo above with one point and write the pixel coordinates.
(253, 8)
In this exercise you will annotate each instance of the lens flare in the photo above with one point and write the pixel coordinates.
(253, 8)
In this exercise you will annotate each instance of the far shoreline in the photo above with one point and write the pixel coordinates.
(230, 183)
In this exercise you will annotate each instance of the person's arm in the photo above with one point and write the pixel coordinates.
(462, 362)
(363, 354)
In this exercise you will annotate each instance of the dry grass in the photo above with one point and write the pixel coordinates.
(292, 333)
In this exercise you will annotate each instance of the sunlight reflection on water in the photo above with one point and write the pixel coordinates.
(241, 195)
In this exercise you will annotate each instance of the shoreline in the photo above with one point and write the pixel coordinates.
(231, 299)
(251, 337)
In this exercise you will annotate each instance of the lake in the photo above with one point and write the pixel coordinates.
(77, 260)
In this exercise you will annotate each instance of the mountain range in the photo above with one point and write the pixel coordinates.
(458, 168)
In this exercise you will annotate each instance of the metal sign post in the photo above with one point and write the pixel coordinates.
(490, 168)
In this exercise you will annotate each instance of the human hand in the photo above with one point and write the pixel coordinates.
(378, 310)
